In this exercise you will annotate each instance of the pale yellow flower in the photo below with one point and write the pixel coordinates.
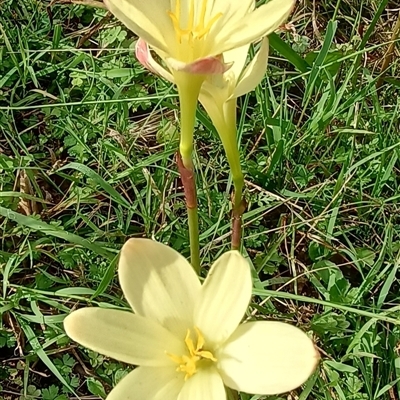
(191, 35)
(242, 78)
(185, 336)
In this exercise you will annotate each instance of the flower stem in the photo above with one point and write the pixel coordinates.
(189, 88)
(227, 132)
(189, 187)
(193, 222)
(238, 203)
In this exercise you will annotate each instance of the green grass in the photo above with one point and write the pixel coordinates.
(87, 143)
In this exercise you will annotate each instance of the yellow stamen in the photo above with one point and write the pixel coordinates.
(189, 363)
(191, 17)
(178, 8)
(212, 21)
(196, 27)
(175, 358)
(175, 20)
(200, 339)
(202, 15)
(189, 343)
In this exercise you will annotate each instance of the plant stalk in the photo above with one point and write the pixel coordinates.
(189, 88)
(227, 132)
(189, 187)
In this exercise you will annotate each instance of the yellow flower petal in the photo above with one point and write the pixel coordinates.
(213, 102)
(254, 25)
(122, 335)
(147, 18)
(149, 383)
(267, 358)
(254, 72)
(237, 57)
(232, 11)
(159, 284)
(224, 297)
(205, 384)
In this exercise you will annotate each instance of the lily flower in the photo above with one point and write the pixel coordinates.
(185, 336)
(219, 93)
(191, 35)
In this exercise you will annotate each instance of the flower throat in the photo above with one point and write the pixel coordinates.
(196, 355)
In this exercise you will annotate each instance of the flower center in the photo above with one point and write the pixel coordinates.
(189, 363)
(196, 27)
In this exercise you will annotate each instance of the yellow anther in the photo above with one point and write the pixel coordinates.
(189, 343)
(189, 363)
(207, 355)
(200, 339)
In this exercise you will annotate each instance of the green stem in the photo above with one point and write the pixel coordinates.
(193, 222)
(189, 187)
(189, 88)
(227, 132)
